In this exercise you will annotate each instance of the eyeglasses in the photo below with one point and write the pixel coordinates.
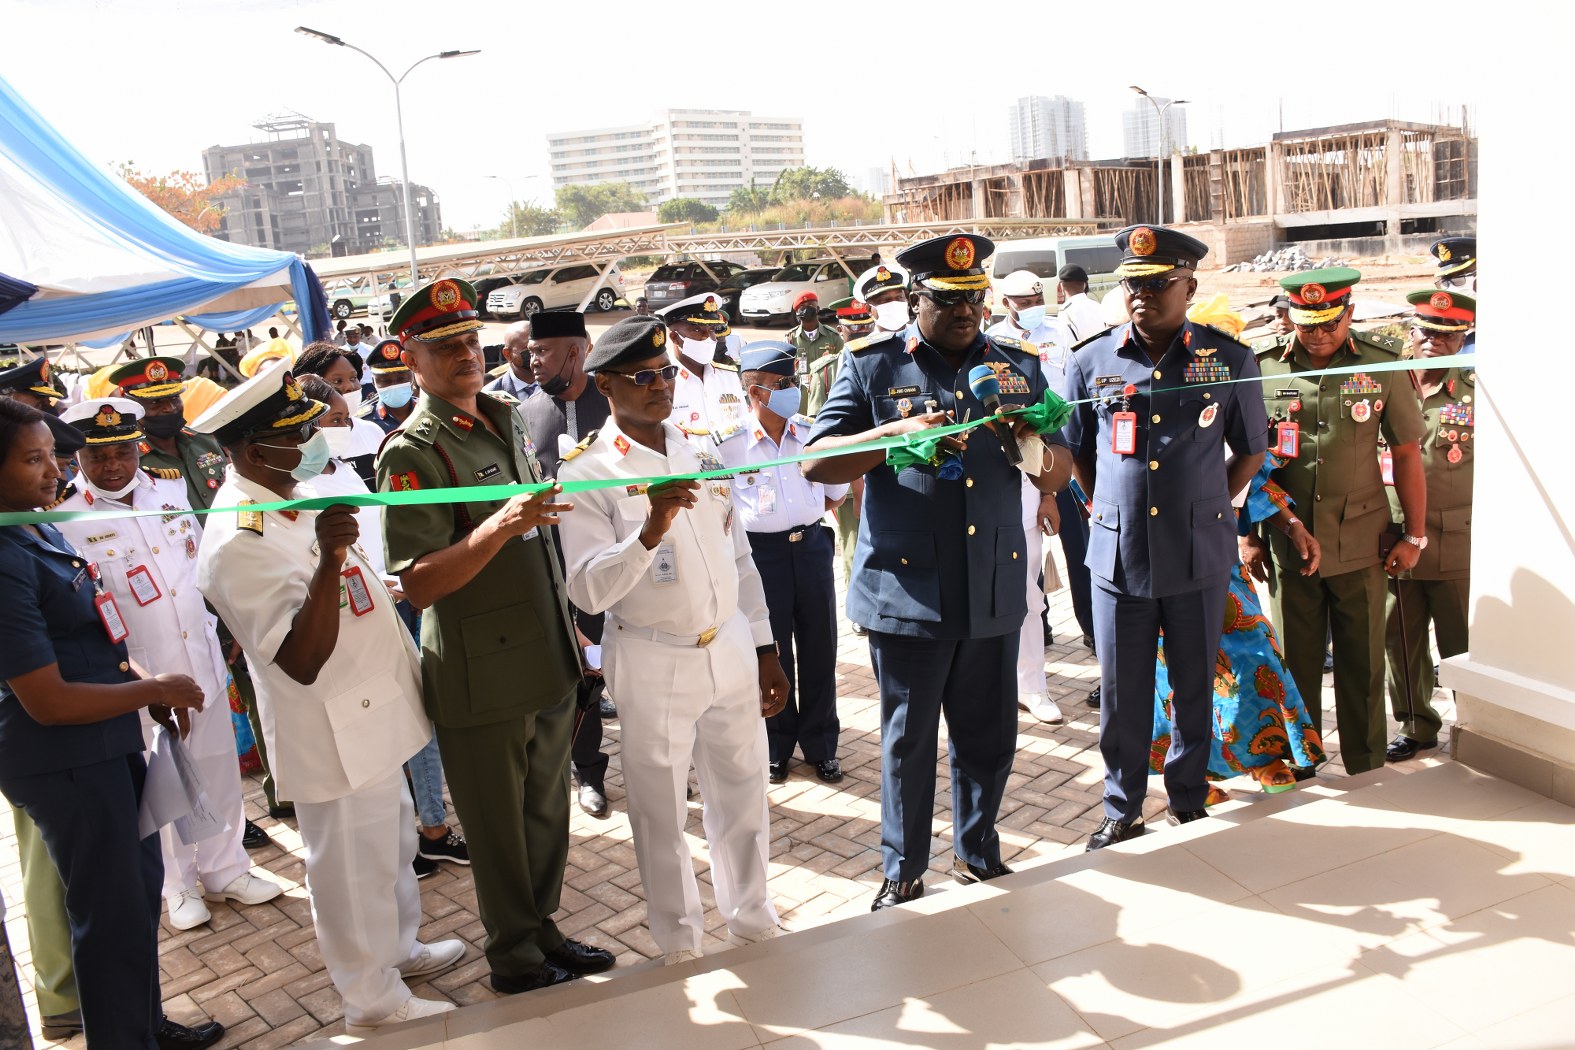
(1328, 327)
(647, 376)
(1150, 285)
(785, 383)
(973, 298)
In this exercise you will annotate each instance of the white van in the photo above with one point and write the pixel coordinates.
(1045, 256)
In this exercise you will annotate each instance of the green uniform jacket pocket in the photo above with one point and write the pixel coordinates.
(498, 648)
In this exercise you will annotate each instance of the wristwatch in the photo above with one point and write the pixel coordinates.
(761, 650)
(1419, 542)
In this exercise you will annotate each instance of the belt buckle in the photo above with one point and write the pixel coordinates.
(705, 637)
(795, 535)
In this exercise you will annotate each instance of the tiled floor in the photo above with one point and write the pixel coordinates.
(257, 969)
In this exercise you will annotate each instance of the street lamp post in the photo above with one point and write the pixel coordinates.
(1159, 161)
(399, 115)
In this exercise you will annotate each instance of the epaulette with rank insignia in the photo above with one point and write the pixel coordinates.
(585, 442)
(1386, 343)
(1270, 345)
(249, 520)
(870, 340)
(503, 396)
(164, 473)
(726, 366)
(1007, 341)
(69, 491)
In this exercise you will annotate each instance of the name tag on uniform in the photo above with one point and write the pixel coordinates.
(664, 566)
(356, 589)
(1107, 380)
(143, 589)
(902, 391)
(491, 470)
(1291, 392)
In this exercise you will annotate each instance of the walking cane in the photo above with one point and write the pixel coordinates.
(1405, 650)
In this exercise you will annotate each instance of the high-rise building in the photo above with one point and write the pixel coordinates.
(1140, 129)
(1048, 128)
(703, 154)
(306, 188)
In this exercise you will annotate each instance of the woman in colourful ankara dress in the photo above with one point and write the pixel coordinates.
(1261, 726)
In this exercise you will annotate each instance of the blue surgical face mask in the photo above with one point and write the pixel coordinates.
(314, 456)
(397, 396)
(784, 402)
(1030, 318)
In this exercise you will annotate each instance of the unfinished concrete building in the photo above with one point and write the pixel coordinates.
(1385, 186)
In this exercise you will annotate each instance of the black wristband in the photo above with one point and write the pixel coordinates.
(761, 650)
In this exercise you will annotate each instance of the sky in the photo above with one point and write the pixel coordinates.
(154, 82)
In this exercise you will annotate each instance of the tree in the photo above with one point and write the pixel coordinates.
(803, 184)
(582, 205)
(686, 209)
(525, 219)
(748, 199)
(187, 196)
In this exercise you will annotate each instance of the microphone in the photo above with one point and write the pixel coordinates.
(987, 388)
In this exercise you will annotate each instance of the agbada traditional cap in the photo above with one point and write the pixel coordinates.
(557, 324)
(1319, 295)
(1443, 311)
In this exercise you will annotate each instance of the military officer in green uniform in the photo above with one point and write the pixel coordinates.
(499, 660)
(1438, 588)
(812, 342)
(854, 321)
(168, 444)
(1325, 429)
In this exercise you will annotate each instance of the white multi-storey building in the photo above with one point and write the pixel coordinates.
(1140, 129)
(1048, 128)
(700, 153)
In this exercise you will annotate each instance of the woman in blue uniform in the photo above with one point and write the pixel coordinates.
(71, 752)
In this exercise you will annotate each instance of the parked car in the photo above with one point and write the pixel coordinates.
(773, 300)
(1045, 256)
(383, 306)
(564, 287)
(674, 282)
(347, 298)
(485, 286)
(731, 290)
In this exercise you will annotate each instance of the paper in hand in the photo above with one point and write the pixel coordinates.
(174, 793)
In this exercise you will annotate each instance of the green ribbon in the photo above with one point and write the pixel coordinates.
(1050, 414)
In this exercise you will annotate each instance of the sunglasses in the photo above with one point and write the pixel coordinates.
(1328, 326)
(973, 298)
(647, 376)
(1149, 285)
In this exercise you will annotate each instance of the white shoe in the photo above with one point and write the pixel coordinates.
(430, 958)
(247, 889)
(741, 939)
(1041, 707)
(411, 1009)
(187, 910)
(686, 955)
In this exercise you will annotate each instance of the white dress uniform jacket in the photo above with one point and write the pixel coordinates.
(709, 405)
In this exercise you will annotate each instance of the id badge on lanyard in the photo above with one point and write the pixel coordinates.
(357, 591)
(1288, 440)
(1123, 433)
(108, 611)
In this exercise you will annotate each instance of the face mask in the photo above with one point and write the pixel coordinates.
(352, 400)
(164, 426)
(557, 384)
(783, 402)
(807, 316)
(395, 396)
(338, 439)
(109, 493)
(1030, 318)
(697, 349)
(892, 316)
(314, 456)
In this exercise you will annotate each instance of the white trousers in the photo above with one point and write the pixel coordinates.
(679, 704)
(1031, 640)
(220, 859)
(365, 904)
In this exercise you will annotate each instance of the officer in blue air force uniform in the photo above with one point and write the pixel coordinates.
(1149, 441)
(938, 575)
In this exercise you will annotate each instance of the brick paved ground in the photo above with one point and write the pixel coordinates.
(257, 969)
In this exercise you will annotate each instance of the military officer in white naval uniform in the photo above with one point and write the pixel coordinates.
(687, 648)
(708, 399)
(339, 687)
(150, 565)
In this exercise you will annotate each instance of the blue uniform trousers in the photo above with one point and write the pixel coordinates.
(973, 681)
(802, 600)
(87, 817)
(1127, 632)
(1073, 534)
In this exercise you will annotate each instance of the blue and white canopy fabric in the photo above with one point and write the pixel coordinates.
(83, 256)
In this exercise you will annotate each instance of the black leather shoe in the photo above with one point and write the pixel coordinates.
(579, 959)
(282, 811)
(829, 771)
(172, 1036)
(1088, 641)
(965, 873)
(778, 771)
(1113, 831)
(605, 708)
(592, 800)
(1403, 747)
(1186, 816)
(894, 892)
(254, 837)
(1093, 698)
(544, 976)
(57, 1028)
(1328, 661)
